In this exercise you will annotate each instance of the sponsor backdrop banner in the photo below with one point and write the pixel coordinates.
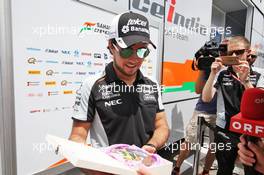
(57, 44)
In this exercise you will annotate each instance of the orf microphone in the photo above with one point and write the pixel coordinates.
(250, 120)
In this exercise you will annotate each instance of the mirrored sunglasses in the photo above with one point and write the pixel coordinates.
(142, 52)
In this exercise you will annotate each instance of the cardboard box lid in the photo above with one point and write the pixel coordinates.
(83, 156)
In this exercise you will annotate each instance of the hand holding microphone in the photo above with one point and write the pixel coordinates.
(250, 122)
(252, 154)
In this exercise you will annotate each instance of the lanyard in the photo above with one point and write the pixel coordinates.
(236, 78)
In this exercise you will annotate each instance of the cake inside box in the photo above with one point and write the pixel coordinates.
(132, 156)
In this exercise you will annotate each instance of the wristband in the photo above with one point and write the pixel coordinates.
(150, 144)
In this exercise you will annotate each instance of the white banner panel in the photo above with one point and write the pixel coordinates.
(258, 21)
(109, 5)
(186, 30)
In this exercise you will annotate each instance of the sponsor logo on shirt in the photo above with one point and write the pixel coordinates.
(113, 103)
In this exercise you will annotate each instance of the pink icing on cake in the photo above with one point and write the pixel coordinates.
(132, 156)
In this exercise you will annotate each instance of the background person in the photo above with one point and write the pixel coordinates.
(208, 111)
(229, 85)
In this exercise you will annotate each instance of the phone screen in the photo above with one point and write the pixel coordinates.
(230, 60)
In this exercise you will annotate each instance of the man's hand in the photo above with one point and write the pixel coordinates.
(246, 155)
(150, 149)
(216, 66)
(143, 171)
(242, 70)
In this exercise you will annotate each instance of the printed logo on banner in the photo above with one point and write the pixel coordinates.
(95, 27)
(46, 110)
(33, 49)
(51, 51)
(52, 93)
(52, 61)
(67, 62)
(65, 83)
(35, 94)
(78, 82)
(67, 73)
(34, 72)
(33, 83)
(51, 72)
(80, 63)
(87, 26)
(56, 109)
(98, 64)
(97, 55)
(105, 56)
(89, 64)
(66, 52)
(50, 83)
(35, 111)
(68, 92)
(66, 107)
(76, 53)
(81, 73)
(33, 60)
(91, 73)
(86, 54)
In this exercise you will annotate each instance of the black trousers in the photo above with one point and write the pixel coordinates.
(226, 152)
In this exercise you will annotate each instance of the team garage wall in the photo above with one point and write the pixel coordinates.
(56, 44)
(186, 30)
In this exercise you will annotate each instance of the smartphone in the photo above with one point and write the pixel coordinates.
(230, 60)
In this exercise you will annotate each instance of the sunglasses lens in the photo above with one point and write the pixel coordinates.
(237, 52)
(253, 56)
(126, 53)
(143, 52)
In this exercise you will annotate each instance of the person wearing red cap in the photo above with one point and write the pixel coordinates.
(229, 84)
(121, 105)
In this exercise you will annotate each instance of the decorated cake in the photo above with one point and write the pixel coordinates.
(132, 156)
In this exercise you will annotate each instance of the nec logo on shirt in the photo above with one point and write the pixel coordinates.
(113, 103)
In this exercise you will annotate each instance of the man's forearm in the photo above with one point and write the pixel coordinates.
(200, 82)
(77, 138)
(208, 91)
(160, 137)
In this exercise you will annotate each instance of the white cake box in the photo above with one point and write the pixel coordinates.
(87, 157)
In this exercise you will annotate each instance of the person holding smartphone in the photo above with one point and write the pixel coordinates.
(229, 84)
